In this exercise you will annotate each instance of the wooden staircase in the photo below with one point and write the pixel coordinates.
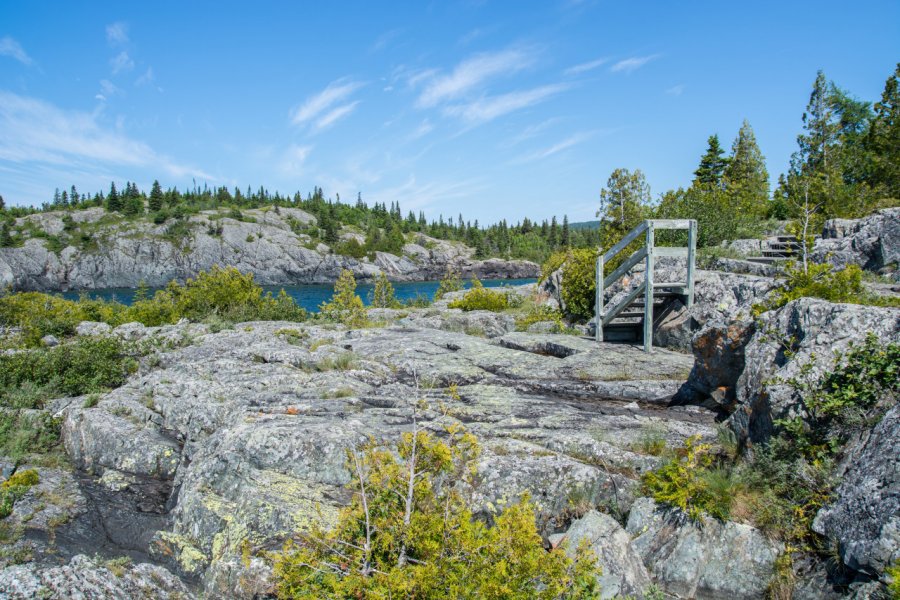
(634, 317)
(781, 248)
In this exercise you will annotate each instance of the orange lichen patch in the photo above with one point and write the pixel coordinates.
(292, 410)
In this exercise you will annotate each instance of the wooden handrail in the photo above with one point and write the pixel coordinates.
(647, 253)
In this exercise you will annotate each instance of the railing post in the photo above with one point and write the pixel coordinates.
(599, 302)
(692, 251)
(648, 292)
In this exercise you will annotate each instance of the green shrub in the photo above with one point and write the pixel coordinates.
(481, 298)
(345, 306)
(410, 537)
(384, 296)
(40, 314)
(538, 314)
(24, 434)
(894, 586)
(451, 282)
(823, 281)
(579, 283)
(683, 482)
(83, 366)
(839, 404)
(14, 488)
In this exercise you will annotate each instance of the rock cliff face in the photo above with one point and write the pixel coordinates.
(120, 253)
(873, 243)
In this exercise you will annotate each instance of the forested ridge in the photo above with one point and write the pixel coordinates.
(847, 164)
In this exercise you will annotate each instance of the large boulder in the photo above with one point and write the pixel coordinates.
(873, 242)
(798, 340)
(623, 571)
(865, 518)
(707, 560)
(85, 577)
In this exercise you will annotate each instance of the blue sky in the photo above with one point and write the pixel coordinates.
(489, 109)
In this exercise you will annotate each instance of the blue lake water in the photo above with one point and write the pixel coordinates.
(311, 296)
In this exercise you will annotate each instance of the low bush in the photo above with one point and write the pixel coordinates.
(825, 282)
(578, 280)
(225, 294)
(685, 482)
(539, 314)
(451, 282)
(405, 535)
(83, 366)
(345, 305)
(843, 401)
(14, 488)
(481, 298)
(27, 434)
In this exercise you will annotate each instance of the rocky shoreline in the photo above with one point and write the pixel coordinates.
(123, 254)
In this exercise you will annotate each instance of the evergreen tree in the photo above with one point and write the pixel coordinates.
(74, 198)
(156, 197)
(2, 204)
(712, 164)
(883, 139)
(745, 178)
(6, 240)
(113, 201)
(566, 235)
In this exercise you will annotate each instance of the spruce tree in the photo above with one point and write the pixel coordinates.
(745, 178)
(156, 197)
(113, 200)
(883, 140)
(712, 164)
(6, 240)
(2, 204)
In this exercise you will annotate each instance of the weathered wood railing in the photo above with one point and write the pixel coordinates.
(648, 253)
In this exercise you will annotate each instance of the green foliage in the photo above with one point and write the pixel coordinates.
(14, 488)
(40, 314)
(894, 586)
(822, 281)
(539, 314)
(27, 434)
(480, 298)
(579, 283)
(405, 535)
(83, 366)
(451, 282)
(383, 296)
(841, 402)
(345, 305)
(685, 482)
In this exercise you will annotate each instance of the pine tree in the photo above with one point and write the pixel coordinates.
(883, 140)
(745, 178)
(566, 235)
(712, 164)
(113, 200)
(156, 197)
(2, 204)
(74, 198)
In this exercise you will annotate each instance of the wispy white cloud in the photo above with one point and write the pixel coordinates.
(146, 78)
(292, 162)
(385, 39)
(335, 115)
(34, 131)
(471, 73)
(675, 90)
(117, 33)
(12, 48)
(121, 62)
(632, 64)
(558, 147)
(424, 128)
(418, 196)
(585, 67)
(530, 132)
(314, 106)
(490, 108)
(107, 90)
